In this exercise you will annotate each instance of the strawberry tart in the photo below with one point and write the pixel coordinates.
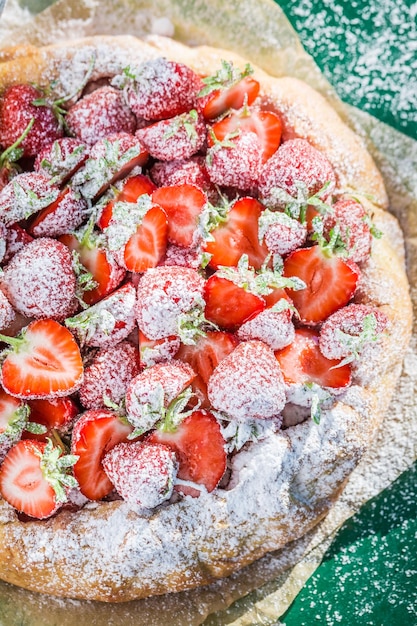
(203, 314)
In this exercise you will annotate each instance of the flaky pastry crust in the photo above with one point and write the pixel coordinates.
(280, 487)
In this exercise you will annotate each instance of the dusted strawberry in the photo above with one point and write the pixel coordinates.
(183, 205)
(159, 89)
(229, 305)
(16, 238)
(297, 170)
(61, 159)
(272, 326)
(17, 108)
(154, 351)
(143, 474)
(25, 195)
(183, 257)
(169, 299)
(302, 362)
(98, 114)
(199, 447)
(281, 233)
(192, 171)
(178, 137)
(238, 235)
(248, 383)
(132, 188)
(204, 356)
(40, 281)
(65, 214)
(55, 414)
(110, 160)
(34, 478)
(150, 394)
(108, 374)
(265, 124)
(7, 312)
(228, 88)
(43, 362)
(235, 162)
(13, 418)
(330, 282)
(95, 434)
(354, 228)
(353, 332)
(107, 322)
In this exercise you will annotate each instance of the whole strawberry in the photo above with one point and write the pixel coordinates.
(17, 108)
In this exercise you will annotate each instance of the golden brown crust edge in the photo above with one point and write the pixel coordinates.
(108, 552)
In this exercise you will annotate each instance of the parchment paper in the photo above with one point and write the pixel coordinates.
(262, 592)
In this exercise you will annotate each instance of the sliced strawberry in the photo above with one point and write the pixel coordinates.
(330, 282)
(204, 356)
(132, 189)
(95, 433)
(228, 305)
(65, 214)
(265, 124)
(228, 89)
(199, 446)
(183, 205)
(238, 236)
(192, 171)
(302, 362)
(105, 272)
(28, 481)
(44, 362)
(147, 247)
(143, 473)
(54, 413)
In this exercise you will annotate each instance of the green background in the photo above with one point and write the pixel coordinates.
(368, 52)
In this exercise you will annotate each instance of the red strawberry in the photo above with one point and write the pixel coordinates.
(265, 124)
(40, 281)
(16, 239)
(204, 356)
(302, 362)
(25, 195)
(159, 89)
(228, 89)
(53, 413)
(132, 189)
(143, 474)
(330, 282)
(248, 384)
(108, 374)
(354, 224)
(236, 162)
(44, 362)
(95, 433)
(275, 328)
(17, 108)
(105, 272)
(178, 137)
(199, 447)
(65, 214)
(237, 236)
(295, 168)
(7, 312)
(34, 479)
(183, 257)
(61, 159)
(166, 297)
(154, 351)
(228, 305)
(98, 114)
(13, 417)
(192, 171)
(183, 205)
(281, 233)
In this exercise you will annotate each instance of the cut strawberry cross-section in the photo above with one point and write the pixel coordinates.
(44, 362)
(183, 205)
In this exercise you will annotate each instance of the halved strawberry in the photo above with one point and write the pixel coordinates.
(34, 478)
(204, 356)
(228, 305)
(265, 124)
(133, 187)
(228, 89)
(54, 413)
(183, 205)
(238, 236)
(303, 362)
(146, 247)
(330, 282)
(199, 446)
(95, 433)
(44, 362)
